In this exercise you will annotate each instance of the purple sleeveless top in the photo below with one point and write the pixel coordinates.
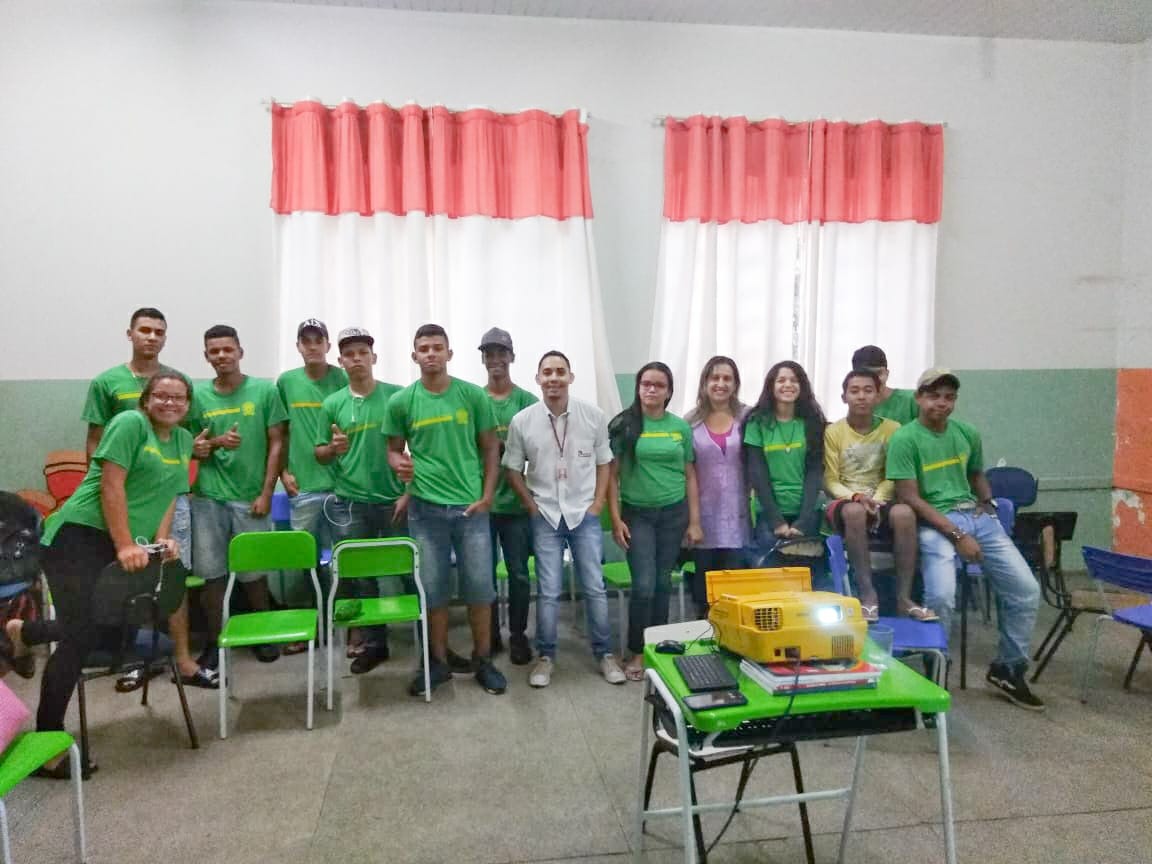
(724, 513)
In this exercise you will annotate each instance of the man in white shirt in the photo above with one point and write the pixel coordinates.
(565, 445)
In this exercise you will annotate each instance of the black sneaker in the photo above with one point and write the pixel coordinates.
(209, 659)
(488, 676)
(438, 673)
(458, 665)
(267, 653)
(371, 658)
(1010, 684)
(519, 649)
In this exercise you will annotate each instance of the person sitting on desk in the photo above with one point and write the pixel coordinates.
(938, 466)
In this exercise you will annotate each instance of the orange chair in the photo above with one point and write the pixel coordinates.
(63, 471)
(41, 501)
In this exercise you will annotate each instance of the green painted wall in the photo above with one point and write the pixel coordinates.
(1057, 423)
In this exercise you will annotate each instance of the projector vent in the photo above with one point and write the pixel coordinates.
(843, 646)
(768, 618)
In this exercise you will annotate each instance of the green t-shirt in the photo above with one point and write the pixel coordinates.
(900, 406)
(939, 462)
(785, 448)
(303, 399)
(115, 390)
(505, 409)
(157, 473)
(361, 474)
(656, 477)
(237, 475)
(441, 430)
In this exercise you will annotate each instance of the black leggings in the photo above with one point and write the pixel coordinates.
(72, 564)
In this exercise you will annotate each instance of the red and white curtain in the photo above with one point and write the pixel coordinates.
(797, 241)
(392, 218)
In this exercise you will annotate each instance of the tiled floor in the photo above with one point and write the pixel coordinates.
(550, 775)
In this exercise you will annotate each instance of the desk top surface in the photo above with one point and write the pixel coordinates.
(899, 687)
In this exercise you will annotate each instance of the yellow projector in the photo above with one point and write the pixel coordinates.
(772, 616)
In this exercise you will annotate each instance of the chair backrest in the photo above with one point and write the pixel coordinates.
(366, 559)
(1006, 513)
(271, 550)
(64, 471)
(1131, 572)
(1015, 484)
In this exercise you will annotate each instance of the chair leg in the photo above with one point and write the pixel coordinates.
(77, 806)
(1048, 637)
(193, 741)
(697, 828)
(147, 671)
(1089, 660)
(1144, 640)
(1052, 650)
(311, 679)
(651, 778)
(223, 672)
(5, 848)
(82, 704)
(805, 826)
(964, 632)
(329, 675)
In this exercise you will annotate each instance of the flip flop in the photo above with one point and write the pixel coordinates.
(294, 648)
(634, 673)
(209, 679)
(921, 613)
(871, 613)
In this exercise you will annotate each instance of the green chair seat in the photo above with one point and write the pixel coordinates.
(379, 610)
(194, 582)
(617, 575)
(261, 628)
(28, 752)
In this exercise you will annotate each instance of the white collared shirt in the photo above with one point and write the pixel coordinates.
(563, 485)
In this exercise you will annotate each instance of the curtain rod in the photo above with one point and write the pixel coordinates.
(272, 100)
(660, 119)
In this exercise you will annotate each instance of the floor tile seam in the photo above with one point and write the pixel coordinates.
(608, 797)
(331, 769)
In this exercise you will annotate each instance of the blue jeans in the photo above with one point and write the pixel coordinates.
(360, 520)
(1017, 593)
(586, 541)
(515, 533)
(308, 515)
(182, 529)
(214, 524)
(441, 529)
(656, 534)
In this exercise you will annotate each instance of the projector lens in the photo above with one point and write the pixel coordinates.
(828, 614)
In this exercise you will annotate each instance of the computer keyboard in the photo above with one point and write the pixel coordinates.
(705, 672)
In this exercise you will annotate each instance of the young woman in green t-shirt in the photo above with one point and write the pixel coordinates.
(784, 456)
(653, 501)
(127, 498)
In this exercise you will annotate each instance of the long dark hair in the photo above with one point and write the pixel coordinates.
(807, 408)
(625, 428)
(703, 404)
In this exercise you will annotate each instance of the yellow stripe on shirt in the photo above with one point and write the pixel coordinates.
(362, 427)
(955, 460)
(124, 397)
(219, 412)
(151, 449)
(305, 404)
(431, 421)
(676, 436)
(771, 448)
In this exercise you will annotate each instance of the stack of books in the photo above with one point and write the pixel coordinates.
(812, 677)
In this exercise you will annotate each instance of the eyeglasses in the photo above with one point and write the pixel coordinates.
(169, 398)
(653, 385)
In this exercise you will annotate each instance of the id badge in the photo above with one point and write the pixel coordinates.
(561, 472)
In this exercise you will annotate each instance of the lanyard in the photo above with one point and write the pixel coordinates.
(560, 442)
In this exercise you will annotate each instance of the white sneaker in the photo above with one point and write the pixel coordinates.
(541, 674)
(611, 670)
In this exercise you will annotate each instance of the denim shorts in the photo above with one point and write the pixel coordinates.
(214, 524)
(442, 529)
(182, 529)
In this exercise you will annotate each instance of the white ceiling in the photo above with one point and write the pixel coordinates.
(1072, 20)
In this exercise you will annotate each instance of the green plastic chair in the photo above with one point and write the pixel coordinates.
(24, 755)
(618, 578)
(502, 585)
(373, 559)
(269, 550)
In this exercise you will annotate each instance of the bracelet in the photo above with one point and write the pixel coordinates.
(956, 535)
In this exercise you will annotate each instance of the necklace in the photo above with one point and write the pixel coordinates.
(791, 442)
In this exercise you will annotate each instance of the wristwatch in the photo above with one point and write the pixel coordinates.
(955, 535)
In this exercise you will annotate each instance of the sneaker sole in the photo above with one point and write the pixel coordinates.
(539, 686)
(1000, 691)
(492, 691)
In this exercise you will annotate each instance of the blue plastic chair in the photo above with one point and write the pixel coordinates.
(1133, 573)
(908, 635)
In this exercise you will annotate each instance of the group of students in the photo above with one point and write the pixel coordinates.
(463, 469)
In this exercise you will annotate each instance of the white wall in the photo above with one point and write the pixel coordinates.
(135, 158)
(1134, 304)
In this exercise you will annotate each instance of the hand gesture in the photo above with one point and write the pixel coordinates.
(339, 442)
(202, 445)
(230, 440)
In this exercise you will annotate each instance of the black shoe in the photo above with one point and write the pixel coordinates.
(208, 679)
(209, 659)
(1010, 684)
(488, 676)
(438, 673)
(371, 658)
(458, 665)
(267, 653)
(519, 649)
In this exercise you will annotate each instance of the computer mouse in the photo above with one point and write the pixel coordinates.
(670, 646)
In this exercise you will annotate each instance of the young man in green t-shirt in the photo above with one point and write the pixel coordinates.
(369, 498)
(239, 423)
(898, 405)
(303, 391)
(111, 393)
(938, 466)
(452, 467)
(510, 522)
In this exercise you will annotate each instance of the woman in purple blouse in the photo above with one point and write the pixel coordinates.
(724, 496)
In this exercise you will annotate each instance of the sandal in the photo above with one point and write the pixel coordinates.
(294, 648)
(871, 613)
(633, 672)
(921, 613)
(129, 682)
(208, 679)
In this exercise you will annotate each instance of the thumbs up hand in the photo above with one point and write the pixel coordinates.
(230, 440)
(339, 442)
(202, 445)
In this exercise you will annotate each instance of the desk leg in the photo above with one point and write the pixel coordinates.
(945, 787)
(851, 811)
(645, 719)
